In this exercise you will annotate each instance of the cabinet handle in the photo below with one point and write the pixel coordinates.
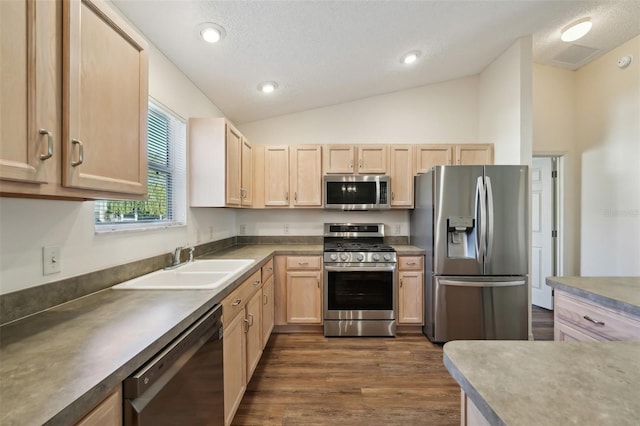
(400, 282)
(251, 318)
(80, 152)
(256, 282)
(266, 299)
(303, 263)
(295, 196)
(236, 302)
(318, 281)
(596, 322)
(49, 153)
(360, 163)
(412, 263)
(246, 325)
(269, 269)
(393, 196)
(286, 196)
(351, 164)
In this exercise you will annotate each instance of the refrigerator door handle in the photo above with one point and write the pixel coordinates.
(489, 218)
(457, 283)
(480, 236)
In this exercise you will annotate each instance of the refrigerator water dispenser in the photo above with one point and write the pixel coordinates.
(460, 239)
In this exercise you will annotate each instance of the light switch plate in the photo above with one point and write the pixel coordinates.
(51, 260)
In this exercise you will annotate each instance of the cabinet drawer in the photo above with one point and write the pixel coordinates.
(408, 263)
(304, 262)
(267, 270)
(610, 325)
(235, 302)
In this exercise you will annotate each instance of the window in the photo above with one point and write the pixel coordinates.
(166, 181)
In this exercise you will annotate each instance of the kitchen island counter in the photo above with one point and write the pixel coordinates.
(58, 364)
(617, 293)
(549, 383)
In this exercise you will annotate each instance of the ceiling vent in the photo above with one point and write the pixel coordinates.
(574, 56)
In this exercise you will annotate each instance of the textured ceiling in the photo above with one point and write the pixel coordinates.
(328, 52)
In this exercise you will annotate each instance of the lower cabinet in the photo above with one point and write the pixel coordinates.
(298, 290)
(410, 290)
(243, 335)
(107, 413)
(470, 415)
(268, 313)
(578, 319)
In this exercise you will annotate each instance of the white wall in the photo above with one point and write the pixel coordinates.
(608, 140)
(28, 225)
(554, 128)
(505, 99)
(438, 113)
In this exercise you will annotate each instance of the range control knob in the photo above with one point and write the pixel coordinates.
(344, 256)
(360, 257)
(376, 257)
(387, 257)
(333, 257)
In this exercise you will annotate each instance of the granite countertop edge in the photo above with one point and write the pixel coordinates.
(76, 407)
(471, 392)
(571, 286)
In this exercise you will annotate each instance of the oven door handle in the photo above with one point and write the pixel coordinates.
(360, 268)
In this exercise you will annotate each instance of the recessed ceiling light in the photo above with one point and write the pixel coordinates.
(268, 86)
(410, 57)
(210, 32)
(576, 30)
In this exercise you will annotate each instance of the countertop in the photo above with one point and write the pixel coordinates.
(549, 383)
(618, 293)
(58, 364)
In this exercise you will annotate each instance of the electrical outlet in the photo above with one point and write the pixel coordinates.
(397, 229)
(286, 228)
(243, 229)
(51, 260)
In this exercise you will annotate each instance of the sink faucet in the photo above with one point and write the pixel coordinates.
(175, 260)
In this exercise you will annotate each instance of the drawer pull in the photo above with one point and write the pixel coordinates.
(49, 153)
(266, 299)
(412, 263)
(303, 263)
(596, 322)
(236, 302)
(251, 320)
(268, 269)
(256, 282)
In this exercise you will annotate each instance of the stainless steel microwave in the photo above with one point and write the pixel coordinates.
(362, 192)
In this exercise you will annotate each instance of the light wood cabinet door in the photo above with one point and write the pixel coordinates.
(105, 82)
(29, 125)
(427, 156)
(372, 159)
(410, 297)
(306, 175)
(338, 159)
(401, 173)
(563, 332)
(474, 154)
(304, 297)
(233, 159)
(268, 311)
(107, 413)
(234, 358)
(276, 176)
(253, 329)
(246, 190)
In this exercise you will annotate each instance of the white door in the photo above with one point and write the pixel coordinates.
(542, 207)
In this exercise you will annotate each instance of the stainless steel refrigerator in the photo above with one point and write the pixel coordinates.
(473, 223)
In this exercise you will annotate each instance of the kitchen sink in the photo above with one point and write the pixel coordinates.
(216, 265)
(205, 274)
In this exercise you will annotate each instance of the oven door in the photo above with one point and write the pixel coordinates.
(359, 292)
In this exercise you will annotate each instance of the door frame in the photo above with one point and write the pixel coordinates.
(557, 185)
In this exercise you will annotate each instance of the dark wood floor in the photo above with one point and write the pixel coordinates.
(308, 379)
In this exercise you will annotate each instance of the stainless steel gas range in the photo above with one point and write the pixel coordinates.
(360, 289)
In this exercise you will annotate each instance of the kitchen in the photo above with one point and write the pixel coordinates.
(550, 110)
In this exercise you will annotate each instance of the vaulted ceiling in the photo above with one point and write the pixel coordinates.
(323, 53)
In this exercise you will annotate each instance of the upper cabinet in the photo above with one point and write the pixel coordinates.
(355, 159)
(214, 142)
(72, 71)
(473, 154)
(292, 176)
(401, 173)
(427, 156)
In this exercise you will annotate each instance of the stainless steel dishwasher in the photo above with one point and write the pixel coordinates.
(183, 384)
